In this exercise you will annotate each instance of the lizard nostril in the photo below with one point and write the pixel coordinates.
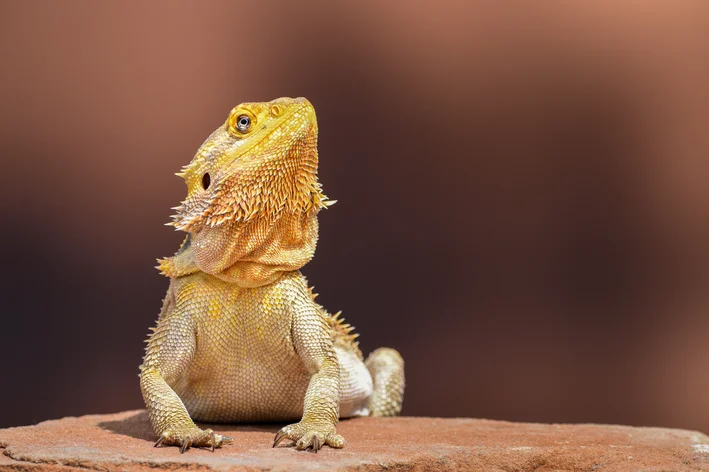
(206, 180)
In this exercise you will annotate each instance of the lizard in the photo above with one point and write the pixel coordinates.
(240, 337)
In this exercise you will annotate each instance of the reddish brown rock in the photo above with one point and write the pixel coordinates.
(123, 442)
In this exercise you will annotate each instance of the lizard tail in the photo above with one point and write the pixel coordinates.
(387, 369)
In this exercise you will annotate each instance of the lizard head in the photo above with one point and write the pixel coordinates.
(252, 195)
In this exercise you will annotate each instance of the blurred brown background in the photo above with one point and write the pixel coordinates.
(523, 193)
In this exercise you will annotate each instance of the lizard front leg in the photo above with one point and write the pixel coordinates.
(169, 351)
(313, 343)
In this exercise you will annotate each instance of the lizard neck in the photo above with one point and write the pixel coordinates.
(248, 255)
(251, 274)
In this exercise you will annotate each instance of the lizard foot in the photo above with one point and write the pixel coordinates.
(192, 437)
(310, 435)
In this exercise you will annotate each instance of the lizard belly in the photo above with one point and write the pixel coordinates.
(243, 381)
(245, 367)
(252, 393)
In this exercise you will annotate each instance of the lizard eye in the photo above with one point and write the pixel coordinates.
(206, 180)
(243, 123)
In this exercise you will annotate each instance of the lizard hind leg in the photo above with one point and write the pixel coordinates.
(387, 369)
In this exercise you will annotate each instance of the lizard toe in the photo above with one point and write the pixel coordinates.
(335, 441)
(192, 437)
(310, 436)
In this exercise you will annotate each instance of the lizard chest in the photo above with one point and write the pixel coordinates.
(239, 327)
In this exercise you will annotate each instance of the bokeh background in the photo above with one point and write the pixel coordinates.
(523, 192)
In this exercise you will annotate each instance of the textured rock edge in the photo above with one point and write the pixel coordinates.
(124, 442)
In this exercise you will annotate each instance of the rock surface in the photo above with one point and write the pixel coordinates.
(123, 442)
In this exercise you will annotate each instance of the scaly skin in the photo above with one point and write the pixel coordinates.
(240, 337)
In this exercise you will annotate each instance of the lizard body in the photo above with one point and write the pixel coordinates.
(240, 337)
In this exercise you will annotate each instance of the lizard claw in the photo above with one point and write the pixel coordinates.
(280, 436)
(185, 444)
(316, 444)
(162, 438)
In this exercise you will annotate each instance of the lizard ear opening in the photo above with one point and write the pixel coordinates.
(206, 180)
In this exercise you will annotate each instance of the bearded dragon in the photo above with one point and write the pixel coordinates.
(240, 337)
